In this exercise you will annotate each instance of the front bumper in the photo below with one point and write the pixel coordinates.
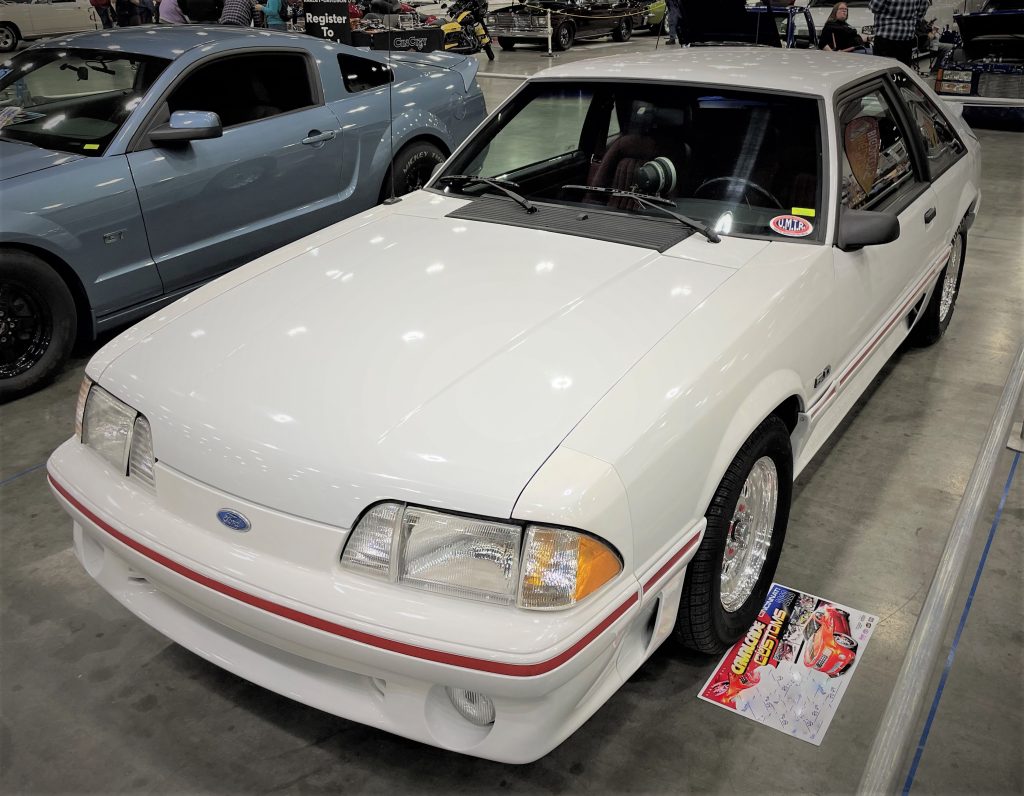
(551, 672)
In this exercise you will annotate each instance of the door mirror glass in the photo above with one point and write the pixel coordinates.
(188, 126)
(860, 228)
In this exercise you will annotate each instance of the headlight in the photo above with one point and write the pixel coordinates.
(480, 559)
(116, 432)
(942, 87)
(106, 427)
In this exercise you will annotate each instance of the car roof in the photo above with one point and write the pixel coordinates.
(171, 41)
(799, 71)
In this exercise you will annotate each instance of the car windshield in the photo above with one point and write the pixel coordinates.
(735, 160)
(72, 100)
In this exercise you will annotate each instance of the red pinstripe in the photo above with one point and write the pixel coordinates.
(411, 650)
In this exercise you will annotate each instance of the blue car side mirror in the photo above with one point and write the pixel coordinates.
(188, 126)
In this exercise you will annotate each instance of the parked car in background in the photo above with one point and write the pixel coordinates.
(655, 16)
(989, 64)
(142, 162)
(457, 466)
(571, 20)
(35, 19)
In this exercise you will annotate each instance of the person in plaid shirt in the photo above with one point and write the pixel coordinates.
(896, 26)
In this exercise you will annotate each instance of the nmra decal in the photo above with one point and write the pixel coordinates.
(791, 226)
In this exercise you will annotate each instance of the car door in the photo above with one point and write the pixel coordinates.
(943, 152)
(273, 176)
(878, 285)
(51, 17)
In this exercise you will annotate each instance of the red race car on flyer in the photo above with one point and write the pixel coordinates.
(830, 646)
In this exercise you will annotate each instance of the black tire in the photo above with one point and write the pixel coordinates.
(38, 323)
(935, 319)
(703, 623)
(8, 38)
(845, 641)
(412, 168)
(624, 30)
(507, 44)
(490, 52)
(563, 37)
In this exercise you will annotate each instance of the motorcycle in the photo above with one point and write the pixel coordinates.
(466, 32)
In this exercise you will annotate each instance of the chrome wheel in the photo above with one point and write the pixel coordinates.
(949, 283)
(750, 534)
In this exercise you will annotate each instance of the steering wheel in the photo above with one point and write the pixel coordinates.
(745, 183)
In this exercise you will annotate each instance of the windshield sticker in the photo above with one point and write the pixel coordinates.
(862, 144)
(803, 211)
(5, 71)
(792, 668)
(791, 226)
(91, 146)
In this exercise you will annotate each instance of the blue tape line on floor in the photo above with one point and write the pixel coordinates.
(960, 629)
(23, 472)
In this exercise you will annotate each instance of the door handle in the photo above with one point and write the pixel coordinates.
(929, 214)
(316, 137)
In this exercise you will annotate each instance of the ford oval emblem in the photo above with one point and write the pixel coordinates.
(233, 520)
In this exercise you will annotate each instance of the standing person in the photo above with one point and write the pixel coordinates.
(838, 34)
(147, 11)
(173, 12)
(128, 13)
(672, 20)
(239, 12)
(276, 13)
(105, 11)
(896, 27)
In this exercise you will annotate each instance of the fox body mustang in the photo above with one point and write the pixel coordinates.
(463, 496)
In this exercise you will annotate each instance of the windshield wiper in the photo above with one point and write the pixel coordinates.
(654, 202)
(467, 180)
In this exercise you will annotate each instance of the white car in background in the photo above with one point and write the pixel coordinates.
(36, 19)
(457, 466)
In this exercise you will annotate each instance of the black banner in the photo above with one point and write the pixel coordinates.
(422, 40)
(328, 19)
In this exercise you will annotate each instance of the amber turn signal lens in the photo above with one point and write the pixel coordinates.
(562, 567)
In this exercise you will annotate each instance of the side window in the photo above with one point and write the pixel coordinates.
(941, 145)
(246, 88)
(876, 167)
(362, 74)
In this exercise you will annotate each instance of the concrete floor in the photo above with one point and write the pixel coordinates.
(94, 701)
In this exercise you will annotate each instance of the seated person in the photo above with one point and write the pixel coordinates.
(838, 34)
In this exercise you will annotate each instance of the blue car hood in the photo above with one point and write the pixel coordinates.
(17, 158)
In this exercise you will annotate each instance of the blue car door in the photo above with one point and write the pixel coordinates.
(273, 176)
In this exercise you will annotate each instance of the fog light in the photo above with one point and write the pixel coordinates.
(473, 707)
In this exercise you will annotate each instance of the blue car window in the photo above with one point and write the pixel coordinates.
(363, 74)
(246, 88)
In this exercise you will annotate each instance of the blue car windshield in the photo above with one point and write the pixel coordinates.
(746, 163)
(72, 100)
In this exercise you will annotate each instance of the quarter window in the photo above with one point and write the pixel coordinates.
(362, 74)
(941, 145)
(246, 88)
(877, 169)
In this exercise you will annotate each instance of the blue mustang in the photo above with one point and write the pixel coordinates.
(138, 163)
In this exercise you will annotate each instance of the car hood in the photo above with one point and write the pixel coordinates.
(727, 21)
(992, 33)
(411, 357)
(17, 159)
